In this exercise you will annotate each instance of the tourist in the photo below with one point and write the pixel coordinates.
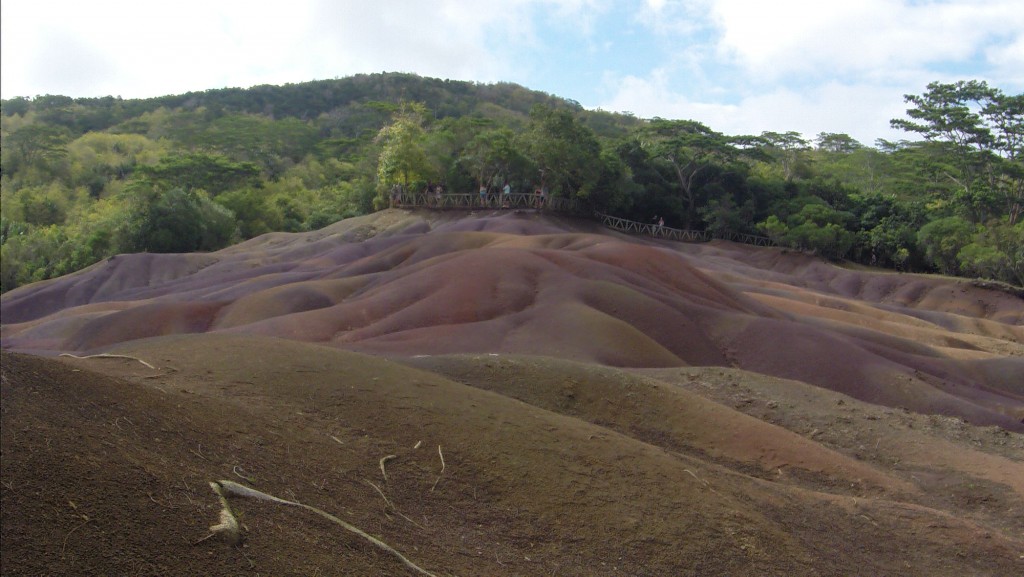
(396, 195)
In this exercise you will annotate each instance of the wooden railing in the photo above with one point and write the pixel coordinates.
(515, 201)
(655, 230)
(524, 201)
(661, 231)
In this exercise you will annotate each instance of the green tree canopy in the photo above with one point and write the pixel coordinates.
(201, 171)
(981, 130)
(403, 155)
(690, 148)
(566, 153)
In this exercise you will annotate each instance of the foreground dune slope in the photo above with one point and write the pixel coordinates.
(510, 394)
(508, 465)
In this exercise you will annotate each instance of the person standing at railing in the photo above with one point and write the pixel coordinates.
(396, 195)
(483, 195)
(506, 195)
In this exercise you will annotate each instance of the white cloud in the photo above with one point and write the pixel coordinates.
(446, 39)
(812, 65)
(1008, 62)
(739, 66)
(799, 37)
(862, 111)
(146, 49)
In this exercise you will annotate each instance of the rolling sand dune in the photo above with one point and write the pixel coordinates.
(511, 394)
(401, 283)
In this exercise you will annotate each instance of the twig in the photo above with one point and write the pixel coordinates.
(210, 536)
(696, 477)
(108, 356)
(385, 460)
(388, 503)
(65, 543)
(442, 468)
(235, 469)
(230, 488)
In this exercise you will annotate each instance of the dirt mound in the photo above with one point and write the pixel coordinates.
(404, 283)
(503, 465)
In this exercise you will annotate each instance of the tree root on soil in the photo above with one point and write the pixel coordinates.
(229, 525)
(389, 505)
(108, 356)
(382, 462)
(442, 468)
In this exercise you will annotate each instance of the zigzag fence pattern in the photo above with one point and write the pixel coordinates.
(521, 201)
(659, 231)
(461, 201)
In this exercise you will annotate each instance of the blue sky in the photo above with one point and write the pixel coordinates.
(739, 66)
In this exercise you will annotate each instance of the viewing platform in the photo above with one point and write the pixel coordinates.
(569, 206)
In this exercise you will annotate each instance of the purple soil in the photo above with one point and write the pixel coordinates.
(405, 284)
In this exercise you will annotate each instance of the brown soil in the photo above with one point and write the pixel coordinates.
(602, 406)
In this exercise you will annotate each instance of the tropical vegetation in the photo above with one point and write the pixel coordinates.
(86, 178)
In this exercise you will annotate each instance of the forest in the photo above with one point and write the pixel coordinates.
(83, 179)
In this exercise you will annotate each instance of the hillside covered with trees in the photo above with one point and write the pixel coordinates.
(83, 179)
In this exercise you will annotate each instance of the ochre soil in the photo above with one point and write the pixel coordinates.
(559, 400)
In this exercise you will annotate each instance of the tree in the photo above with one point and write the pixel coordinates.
(177, 220)
(98, 158)
(981, 131)
(774, 229)
(942, 240)
(690, 148)
(837, 143)
(200, 171)
(403, 157)
(566, 153)
(821, 228)
(32, 146)
(996, 252)
(490, 154)
(1006, 115)
(787, 149)
(271, 144)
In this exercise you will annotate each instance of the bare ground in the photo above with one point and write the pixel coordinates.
(558, 401)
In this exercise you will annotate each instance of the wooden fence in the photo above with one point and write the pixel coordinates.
(524, 201)
(514, 201)
(661, 231)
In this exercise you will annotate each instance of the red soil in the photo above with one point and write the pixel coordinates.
(606, 405)
(402, 284)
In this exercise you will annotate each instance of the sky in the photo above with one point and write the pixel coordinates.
(738, 66)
